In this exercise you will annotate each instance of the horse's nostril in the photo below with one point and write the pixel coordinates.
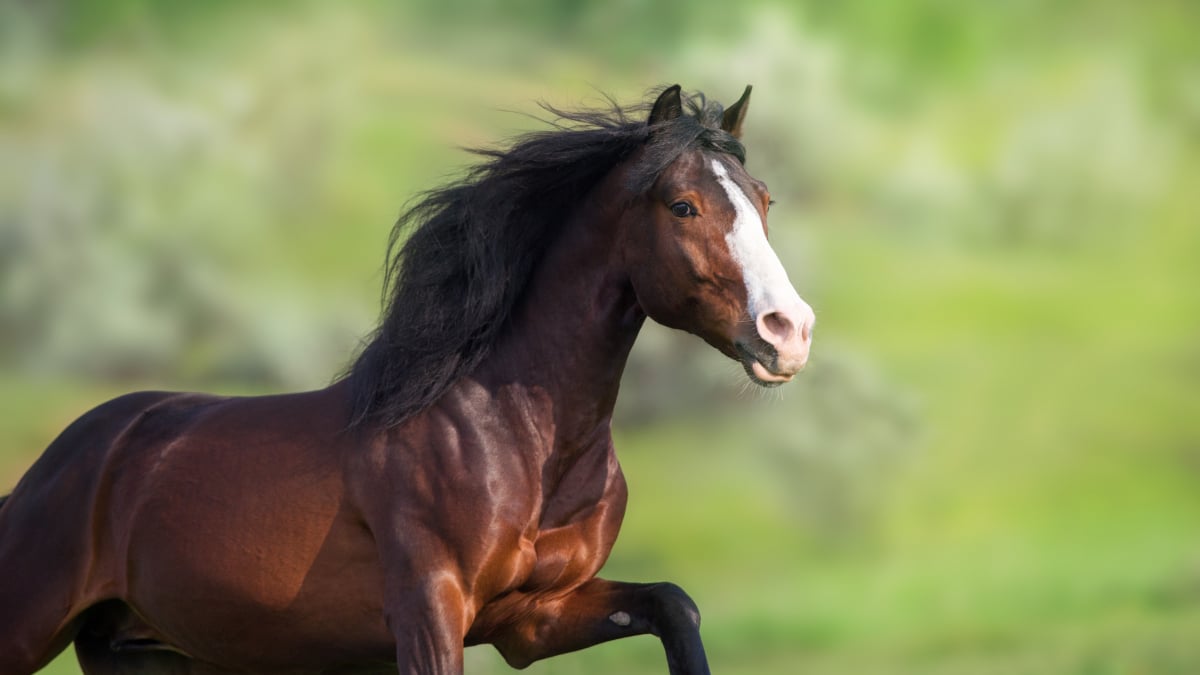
(777, 328)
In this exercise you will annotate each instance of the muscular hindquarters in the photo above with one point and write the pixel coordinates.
(54, 561)
(201, 517)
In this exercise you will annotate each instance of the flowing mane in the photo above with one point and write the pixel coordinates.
(460, 258)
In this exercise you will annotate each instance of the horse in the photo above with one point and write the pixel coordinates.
(457, 484)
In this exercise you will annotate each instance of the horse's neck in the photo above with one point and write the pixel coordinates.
(572, 332)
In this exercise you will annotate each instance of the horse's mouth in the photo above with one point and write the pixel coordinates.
(759, 367)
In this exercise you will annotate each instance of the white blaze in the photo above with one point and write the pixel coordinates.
(767, 285)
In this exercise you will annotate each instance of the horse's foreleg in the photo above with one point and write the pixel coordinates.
(428, 623)
(600, 611)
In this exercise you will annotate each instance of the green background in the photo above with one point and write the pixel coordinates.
(992, 464)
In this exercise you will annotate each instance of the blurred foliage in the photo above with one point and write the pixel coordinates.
(992, 464)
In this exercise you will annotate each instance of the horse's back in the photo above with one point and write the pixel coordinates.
(68, 465)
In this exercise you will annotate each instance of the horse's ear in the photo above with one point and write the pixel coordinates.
(668, 106)
(731, 121)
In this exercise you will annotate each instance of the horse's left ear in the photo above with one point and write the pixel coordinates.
(668, 106)
(731, 121)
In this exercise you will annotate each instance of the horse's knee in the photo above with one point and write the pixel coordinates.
(672, 603)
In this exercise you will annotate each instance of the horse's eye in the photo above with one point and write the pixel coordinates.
(682, 210)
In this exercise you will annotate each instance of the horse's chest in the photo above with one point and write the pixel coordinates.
(579, 523)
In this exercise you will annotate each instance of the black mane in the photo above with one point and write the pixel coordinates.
(459, 259)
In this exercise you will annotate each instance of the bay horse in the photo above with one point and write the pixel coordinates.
(458, 484)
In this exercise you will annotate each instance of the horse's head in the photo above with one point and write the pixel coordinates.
(697, 253)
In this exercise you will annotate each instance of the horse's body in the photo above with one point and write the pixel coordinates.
(337, 531)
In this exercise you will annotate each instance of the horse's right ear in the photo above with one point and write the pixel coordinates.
(668, 106)
(731, 121)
